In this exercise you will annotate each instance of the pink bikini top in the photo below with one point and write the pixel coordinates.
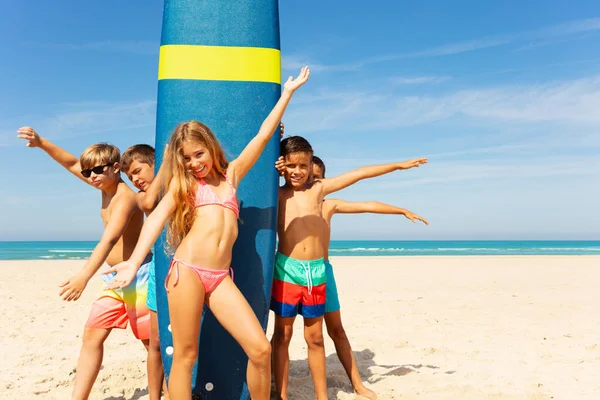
(205, 196)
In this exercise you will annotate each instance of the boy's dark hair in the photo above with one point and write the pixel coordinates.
(295, 144)
(138, 152)
(318, 162)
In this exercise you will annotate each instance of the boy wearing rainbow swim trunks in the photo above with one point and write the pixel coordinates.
(300, 283)
(99, 166)
(137, 163)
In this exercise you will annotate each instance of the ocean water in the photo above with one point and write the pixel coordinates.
(46, 250)
(82, 250)
(462, 248)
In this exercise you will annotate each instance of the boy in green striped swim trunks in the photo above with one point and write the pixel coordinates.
(300, 282)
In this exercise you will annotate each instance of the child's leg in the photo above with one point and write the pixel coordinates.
(282, 336)
(186, 301)
(155, 368)
(313, 334)
(335, 329)
(90, 361)
(243, 325)
(333, 320)
(107, 312)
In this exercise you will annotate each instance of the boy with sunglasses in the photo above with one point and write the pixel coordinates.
(99, 166)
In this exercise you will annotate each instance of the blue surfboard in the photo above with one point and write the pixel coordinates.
(220, 64)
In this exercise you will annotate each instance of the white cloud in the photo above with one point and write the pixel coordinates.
(295, 63)
(88, 118)
(571, 102)
(502, 149)
(514, 169)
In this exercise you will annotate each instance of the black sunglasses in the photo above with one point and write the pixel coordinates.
(97, 170)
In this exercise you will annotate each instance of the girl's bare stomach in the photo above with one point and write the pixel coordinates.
(207, 248)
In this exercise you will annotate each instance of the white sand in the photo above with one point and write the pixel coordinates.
(421, 328)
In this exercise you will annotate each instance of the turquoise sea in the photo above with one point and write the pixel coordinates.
(82, 250)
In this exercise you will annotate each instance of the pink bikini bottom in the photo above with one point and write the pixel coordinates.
(210, 278)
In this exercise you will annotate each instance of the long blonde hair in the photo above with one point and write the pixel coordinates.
(182, 181)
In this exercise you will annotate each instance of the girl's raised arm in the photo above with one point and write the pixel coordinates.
(239, 167)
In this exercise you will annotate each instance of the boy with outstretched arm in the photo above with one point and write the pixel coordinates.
(299, 285)
(333, 317)
(99, 166)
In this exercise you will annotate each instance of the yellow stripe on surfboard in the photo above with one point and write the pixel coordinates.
(219, 63)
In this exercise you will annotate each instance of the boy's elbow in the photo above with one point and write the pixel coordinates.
(147, 205)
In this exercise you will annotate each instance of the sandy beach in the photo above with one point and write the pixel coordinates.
(421, 328)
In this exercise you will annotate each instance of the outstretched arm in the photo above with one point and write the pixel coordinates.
(340, 182)
(246, 160)
(374, 207)
(72, 288)
(152, 227)
(61, 156)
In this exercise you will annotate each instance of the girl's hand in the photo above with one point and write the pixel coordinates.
(72, 288)
(280, 165)
(125, 270)
(29, 134)
(293, 84)
(414, 217)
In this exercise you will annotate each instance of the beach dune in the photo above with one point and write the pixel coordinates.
(507, 327)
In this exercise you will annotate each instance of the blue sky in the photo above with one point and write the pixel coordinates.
(502, 98)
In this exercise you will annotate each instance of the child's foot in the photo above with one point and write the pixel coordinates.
(366, 393)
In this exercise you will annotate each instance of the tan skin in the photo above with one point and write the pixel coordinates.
(333, 320)
(122, 225)
(142, 176)
(209, 244)
(303, 235)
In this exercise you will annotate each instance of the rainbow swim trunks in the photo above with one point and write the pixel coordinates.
(299, 287)
(118, 307)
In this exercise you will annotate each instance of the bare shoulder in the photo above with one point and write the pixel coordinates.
(125, 196)
(316, 188)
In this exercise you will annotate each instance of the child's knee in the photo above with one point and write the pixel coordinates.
(337, 333)
(154, 345)
(93, 337)
(154, 339)
(186, 353)
(260, 353)
(314, 338)
(283, 335)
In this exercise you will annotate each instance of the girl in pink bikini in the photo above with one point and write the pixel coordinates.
(201, 206)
